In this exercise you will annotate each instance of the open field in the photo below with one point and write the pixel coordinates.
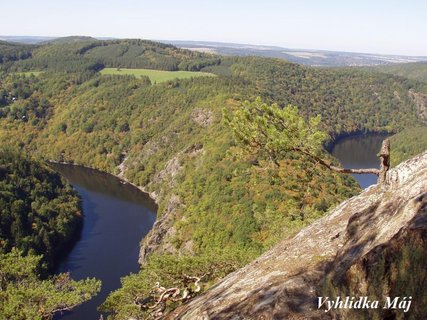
(156, 76)
(29, 73)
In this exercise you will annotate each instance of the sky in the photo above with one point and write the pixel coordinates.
(373, 26)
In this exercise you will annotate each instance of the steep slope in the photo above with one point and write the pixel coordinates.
(371, 245)
(407, 143)
(170, 139)
(39, 211)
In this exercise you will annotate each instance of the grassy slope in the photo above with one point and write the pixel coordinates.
(29, 73)
(156, 76)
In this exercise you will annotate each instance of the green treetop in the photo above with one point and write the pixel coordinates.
(275, 132)
(24, 296)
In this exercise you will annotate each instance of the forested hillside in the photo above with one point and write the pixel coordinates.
(408, 143)
(416, 70)
(80, 54)
(10, 52)
(39, 219)
(218, 207)
(349, 100)
(39, 212)
(24, 295)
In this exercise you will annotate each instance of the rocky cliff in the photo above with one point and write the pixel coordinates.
(372, 245)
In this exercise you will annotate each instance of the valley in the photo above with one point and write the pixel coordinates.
(116, 217)
(218, 207)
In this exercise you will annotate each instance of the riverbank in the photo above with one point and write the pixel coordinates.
(117, 216)
(153, 196)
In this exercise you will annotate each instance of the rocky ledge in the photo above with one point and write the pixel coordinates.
(372, 245)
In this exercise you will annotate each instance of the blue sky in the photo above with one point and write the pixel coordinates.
(376, 26)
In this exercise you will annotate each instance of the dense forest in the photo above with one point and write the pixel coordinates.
(25, 295)
(415, 70)
(39, 213)
(220, 207)
(10, 52)
(82, 54)
(407, 143)
(39, 218)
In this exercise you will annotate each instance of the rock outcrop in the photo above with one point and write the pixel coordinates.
(420, 100)
(373, 245)
(157, 240)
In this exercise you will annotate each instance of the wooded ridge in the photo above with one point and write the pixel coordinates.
(219, 207)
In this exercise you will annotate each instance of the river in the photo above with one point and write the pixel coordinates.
(357, 152)
(116, 218)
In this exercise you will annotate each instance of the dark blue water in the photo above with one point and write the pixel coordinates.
(116, 218)
(360, 152)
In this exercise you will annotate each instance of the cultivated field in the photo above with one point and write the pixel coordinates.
(156, 76)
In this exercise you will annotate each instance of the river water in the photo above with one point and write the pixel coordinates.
(358, 152)
(116, 218)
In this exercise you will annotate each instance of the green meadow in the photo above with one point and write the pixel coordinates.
(156, 76)
(29, 73)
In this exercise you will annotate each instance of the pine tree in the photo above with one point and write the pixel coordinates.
(275, 132)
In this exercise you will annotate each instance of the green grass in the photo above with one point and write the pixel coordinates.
(29, 73)
(156, 76)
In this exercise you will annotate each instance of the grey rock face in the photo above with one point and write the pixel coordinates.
(284, 283)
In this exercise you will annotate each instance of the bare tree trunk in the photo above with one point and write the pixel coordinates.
(384, 160)
(384, 156)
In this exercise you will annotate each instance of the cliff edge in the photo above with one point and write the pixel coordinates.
(372, 245)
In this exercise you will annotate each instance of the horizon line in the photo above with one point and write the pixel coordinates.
(210, 41)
